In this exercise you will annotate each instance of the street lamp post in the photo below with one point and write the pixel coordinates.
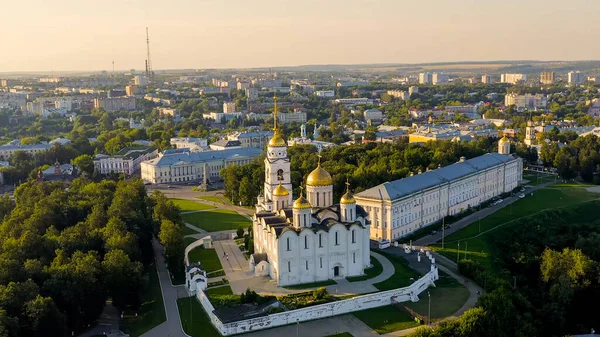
(443, 230)
(479, 220)
(429, 315)
(465, 249)
(458, 251)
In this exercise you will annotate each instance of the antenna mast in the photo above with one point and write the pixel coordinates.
(149, 72)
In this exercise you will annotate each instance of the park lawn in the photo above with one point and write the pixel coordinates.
(476, 245)
(447, 297)
(386, 319)
(152, 311)
(343, 334)
(194, 320)
(218, 220)
(188, 241)
(370, 273)
(402, 273)
(188, 231)
(536, 178)
(215, 198)
(546, 198)
(207, 257)
(219, 291)
(311, 285)
(189, 205)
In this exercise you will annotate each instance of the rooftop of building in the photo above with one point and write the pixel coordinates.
(398, 189)
(188, 157)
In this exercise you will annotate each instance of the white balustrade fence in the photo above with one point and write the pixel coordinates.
(363, 302)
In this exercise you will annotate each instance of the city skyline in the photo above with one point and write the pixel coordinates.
(75, 36)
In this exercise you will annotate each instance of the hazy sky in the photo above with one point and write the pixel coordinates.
(89, 35)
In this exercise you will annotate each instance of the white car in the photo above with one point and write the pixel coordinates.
(521, 195)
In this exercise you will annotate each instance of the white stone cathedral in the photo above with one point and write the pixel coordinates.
(305, 241)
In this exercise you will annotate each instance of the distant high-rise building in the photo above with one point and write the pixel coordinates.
(131, 90)
(412, 90)
(4, 83)
(228, 107)
(576, 77)
(140, 81)
(439, 78)
(526, 101)
(486, 79)
(425, 78)
(513, 78)
(547, 77)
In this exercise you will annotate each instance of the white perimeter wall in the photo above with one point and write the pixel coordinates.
(363, 302)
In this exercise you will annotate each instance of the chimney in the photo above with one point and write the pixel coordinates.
(462, 159)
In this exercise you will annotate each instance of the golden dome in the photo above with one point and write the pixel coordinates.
(504, 140)
(347, 199)
(280, 191)
(277, 141)
(319, 177)
(301, 203)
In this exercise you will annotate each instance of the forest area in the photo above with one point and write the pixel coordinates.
(65, 251)
(544, 280)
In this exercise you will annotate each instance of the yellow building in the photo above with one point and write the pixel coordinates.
(426, 135)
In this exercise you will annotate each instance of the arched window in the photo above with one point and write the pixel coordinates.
(280, 174)
(288, 244)
(317, 198)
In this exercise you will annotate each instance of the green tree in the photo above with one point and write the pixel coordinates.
(85, 163)
(123, 278)
(171, 237)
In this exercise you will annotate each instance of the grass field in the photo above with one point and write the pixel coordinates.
(214, 198)
(386, 319)
(536, 178)
(311, 285)
(189, 205)
(369, 273)
(207, 257)
(187, 231)
(188, 241)
(225, 290)
(402, 274)
(447, 297)
(214, 221)
(476, 245)
(343, 334)
(194, 320)
(152, 311)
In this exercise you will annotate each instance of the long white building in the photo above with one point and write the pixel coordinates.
(180, 166)
(126, 161)
(400, 207)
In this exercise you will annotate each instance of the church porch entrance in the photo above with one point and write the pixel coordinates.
(336, 271)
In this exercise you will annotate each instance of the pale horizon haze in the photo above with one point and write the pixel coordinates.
(69, 35)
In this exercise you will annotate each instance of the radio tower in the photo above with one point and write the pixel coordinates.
(149, 72)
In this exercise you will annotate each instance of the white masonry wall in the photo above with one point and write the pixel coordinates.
(363, 302)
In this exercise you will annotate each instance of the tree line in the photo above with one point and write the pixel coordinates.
(364, 165)
(541, 284)
(580, 156)
(65, 251)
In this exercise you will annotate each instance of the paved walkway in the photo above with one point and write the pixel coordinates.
(172, 327)
(108, 320)
(469, 219)
(322, 327)
(344, 287)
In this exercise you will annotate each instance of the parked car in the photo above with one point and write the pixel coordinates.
(433, 232)
(521, 195)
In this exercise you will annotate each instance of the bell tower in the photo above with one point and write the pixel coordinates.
(277, 165)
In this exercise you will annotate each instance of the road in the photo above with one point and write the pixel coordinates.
(455, 227)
